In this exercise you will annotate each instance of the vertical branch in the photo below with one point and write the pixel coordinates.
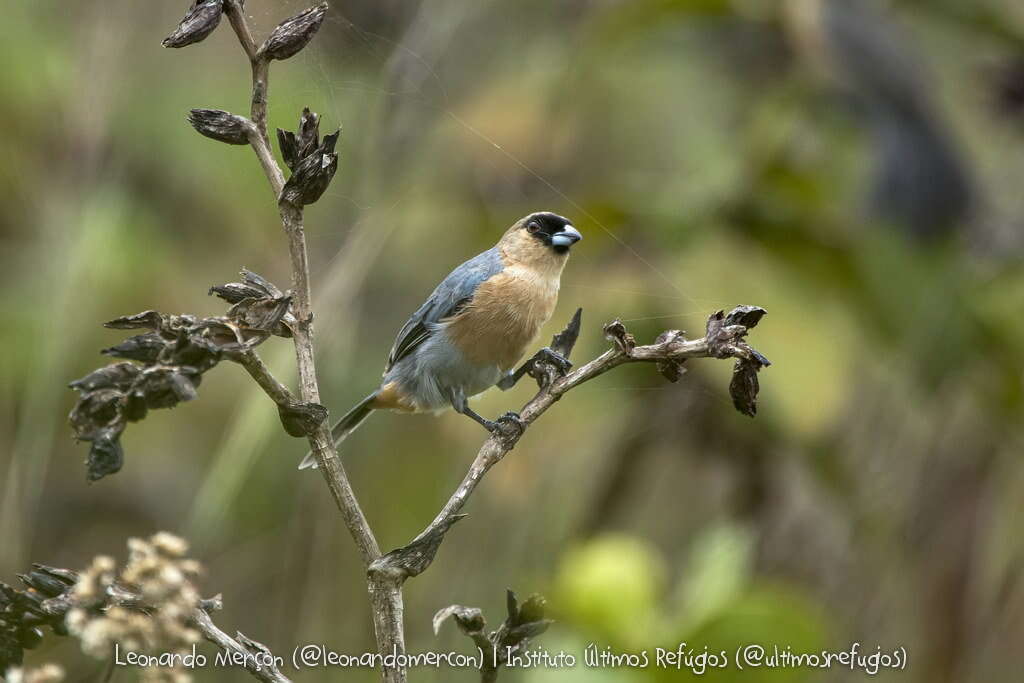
(385, 596)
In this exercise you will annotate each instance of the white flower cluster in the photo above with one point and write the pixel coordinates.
(48, 673)
(146, 607)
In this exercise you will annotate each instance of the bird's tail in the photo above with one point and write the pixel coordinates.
(345, 426)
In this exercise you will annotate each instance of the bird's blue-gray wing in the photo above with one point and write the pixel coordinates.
(454, 292)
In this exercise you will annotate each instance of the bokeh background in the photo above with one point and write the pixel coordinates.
(855, 169)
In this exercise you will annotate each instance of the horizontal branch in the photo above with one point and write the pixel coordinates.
(724, 338)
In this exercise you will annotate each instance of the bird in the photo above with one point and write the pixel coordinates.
(474, 328)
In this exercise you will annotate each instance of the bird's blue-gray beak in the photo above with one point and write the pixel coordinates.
(566, 237)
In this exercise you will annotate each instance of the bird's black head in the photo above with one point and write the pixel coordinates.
(553, 230)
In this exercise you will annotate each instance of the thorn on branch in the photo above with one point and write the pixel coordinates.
(200, 21)
(412, 559)
(293, 34)
(221, 125)
(302, 419)
(564, 342)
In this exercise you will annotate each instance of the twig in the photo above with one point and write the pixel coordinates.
(257, 658)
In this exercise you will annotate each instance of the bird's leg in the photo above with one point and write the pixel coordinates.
(461, 405)
(545, 355)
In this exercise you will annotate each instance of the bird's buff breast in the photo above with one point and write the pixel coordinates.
(505, 316)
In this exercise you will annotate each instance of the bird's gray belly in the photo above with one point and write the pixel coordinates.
(436, 367)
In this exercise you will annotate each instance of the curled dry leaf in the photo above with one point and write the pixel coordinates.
(221, 125)
(258, 305)
(313, 174)
(171, 359)
(293, 34)
(297, 146)
(22, 614)
(468, 619)
(200, 21)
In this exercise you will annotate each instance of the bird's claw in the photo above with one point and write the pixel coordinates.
(553, 358)
(509, 425)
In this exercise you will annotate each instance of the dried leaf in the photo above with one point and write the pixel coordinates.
(198, 351)
(220, 125)
(96, 410)
(105, 455)
(312, 175)
(200, 21)
(118, 376)
(166, 387)
(260, 314)
(289, 147)
(744, 386)
(308, 137)
(468, 619)
(563, 342)
(747, 316)
(233, 292)
(142, 347)
(146, 319)
(44, 583)
(293, 34)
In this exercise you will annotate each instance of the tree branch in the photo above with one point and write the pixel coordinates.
(385, 596)
(723, 339)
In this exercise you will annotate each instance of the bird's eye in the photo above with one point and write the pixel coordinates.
(532, 227)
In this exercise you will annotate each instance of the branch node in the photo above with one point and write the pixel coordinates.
(670, 368)
(616, 333)
(412, 559)
(302, 419)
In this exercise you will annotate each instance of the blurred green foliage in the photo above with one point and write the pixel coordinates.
(709, 159)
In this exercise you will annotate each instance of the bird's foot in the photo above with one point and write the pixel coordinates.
(553, 358)
(509, 426)
(547, 365)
